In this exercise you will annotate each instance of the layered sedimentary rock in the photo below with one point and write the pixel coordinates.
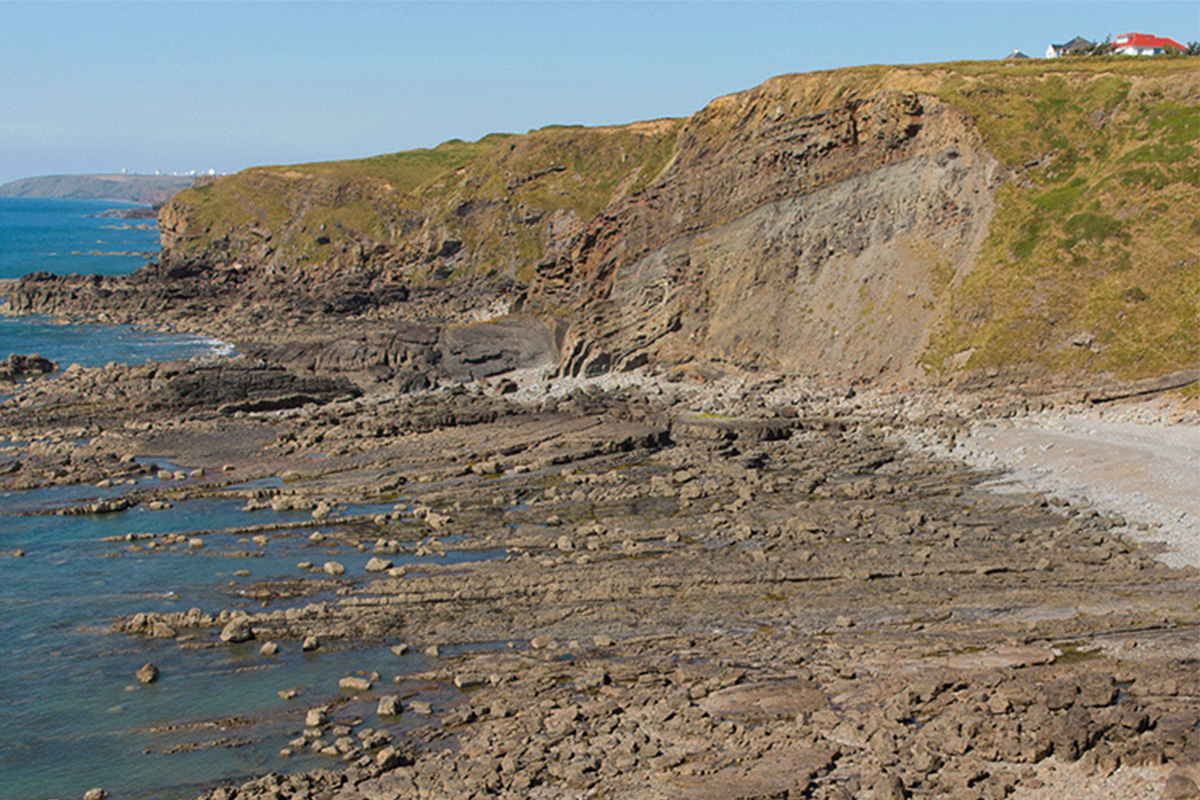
(807, 243)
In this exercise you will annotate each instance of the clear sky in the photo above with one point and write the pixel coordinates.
(175, 86)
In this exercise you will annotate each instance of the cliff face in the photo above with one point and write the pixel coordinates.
(807, 243)
(1031, 218)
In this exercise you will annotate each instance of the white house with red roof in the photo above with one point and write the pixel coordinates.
(1144, 44)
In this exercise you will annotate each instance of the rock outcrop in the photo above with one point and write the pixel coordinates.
(19, 366)
(803, 243)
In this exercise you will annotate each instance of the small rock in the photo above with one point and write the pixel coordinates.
(269, 649)
(469, 681)
(310, 643)
(378, 565)
(286, 694)
(147, 674)
(354, 684)
(95, 794)
(389, 706)
(316, 717)
(388, 758)
(333, 568)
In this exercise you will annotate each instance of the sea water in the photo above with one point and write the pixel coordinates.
(82, 237)
(69, 237)
(74, 716)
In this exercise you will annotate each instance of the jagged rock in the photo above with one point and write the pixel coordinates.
(21, 366)
(237, 630)
(378, 565)
(147, 673)
(389, 706)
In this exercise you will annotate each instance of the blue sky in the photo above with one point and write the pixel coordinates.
(175, 86)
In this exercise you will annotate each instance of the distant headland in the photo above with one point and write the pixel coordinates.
(149, 189)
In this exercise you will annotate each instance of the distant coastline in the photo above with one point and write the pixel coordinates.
(143, 189)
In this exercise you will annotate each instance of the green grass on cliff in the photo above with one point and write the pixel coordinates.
(1091, 260)
(493, 195)
(405, 171)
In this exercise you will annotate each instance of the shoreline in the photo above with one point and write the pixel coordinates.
(658, 534)
(1139, 461)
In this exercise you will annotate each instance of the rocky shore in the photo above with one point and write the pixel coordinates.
(738, 587)
(528, 407)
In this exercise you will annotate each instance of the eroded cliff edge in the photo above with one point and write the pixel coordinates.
(1030, 220)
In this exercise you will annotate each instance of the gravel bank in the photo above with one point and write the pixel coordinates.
(1140, 461)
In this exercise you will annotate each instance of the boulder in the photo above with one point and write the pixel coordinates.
(378, 565)
(354, 684)
(237, 630)
(147, 674)
(388, 758)
(389, 706)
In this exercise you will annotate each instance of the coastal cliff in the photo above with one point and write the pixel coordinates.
(979, 219)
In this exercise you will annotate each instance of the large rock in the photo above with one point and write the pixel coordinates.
(389, 706)
(19, 366)
(148, 673)
(237, 630)
(353, 683)
(231, 387)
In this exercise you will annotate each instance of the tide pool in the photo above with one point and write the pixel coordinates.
(76, 717)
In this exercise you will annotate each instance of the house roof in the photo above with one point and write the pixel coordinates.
(1145, 40)
(1016, 54)
(1078, 43)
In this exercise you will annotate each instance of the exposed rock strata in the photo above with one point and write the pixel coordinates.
(809, 245)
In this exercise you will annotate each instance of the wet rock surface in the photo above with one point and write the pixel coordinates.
(692, 593)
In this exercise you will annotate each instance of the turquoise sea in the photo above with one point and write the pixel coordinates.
(82, 237)
(71, 237)
(74, 715)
